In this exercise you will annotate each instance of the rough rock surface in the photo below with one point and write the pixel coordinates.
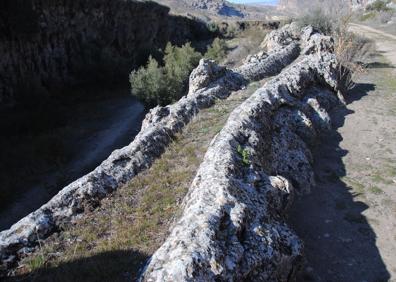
(207, 83)
(278, 38)
(218, 7)
(232, 226)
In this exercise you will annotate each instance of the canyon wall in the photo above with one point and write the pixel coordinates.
(47, 44)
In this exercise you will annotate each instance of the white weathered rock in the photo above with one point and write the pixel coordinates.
(232, 226)
(281, 37)
(207, 83)
(271, 64)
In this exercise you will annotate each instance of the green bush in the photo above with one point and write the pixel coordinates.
(213, 27)
(147, 83)
(161, 85)
(318, 19)
(179, 62)
(217, 51)
(378, 6)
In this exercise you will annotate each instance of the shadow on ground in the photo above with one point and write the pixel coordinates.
(377, 65)
(108, 266)
(339, 243)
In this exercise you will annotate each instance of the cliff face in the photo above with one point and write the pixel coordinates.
(46, 44)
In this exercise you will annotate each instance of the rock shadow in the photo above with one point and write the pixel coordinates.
(379, 65)
(340, 244)
(230, 12)
(120, 265)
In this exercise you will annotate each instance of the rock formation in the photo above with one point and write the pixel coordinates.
(217, 8)
(208, 82)
(50, 43)
(232, 227)
(220, 7)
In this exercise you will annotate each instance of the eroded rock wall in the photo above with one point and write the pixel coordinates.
(232, 227)
(45, 44)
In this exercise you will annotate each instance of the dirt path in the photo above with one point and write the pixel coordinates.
(348, 222)
(107, 125)
(385, 42)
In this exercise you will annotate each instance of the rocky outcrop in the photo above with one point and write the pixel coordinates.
(218, 7)
(208, 82)
(232, 227)
(278, 38)
(45, 44)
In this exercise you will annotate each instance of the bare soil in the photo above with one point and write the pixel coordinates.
(348, 222)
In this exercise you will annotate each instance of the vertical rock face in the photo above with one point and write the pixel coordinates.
(48, 43)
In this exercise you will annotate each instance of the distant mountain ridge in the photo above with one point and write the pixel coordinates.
(219, 9)
(294, 4)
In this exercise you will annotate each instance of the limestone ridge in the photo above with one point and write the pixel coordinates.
(207, 83)
(232, 227)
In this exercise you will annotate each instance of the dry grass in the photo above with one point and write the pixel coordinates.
(333, 18)
(247, 42)
(351, 50)
(113, 242)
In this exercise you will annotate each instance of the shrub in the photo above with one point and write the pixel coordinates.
(147, 83)
(161, 85)
(333, 19)
(318, 19)
(217, 51)
(378, 6)
(213, 27)
(179, 62)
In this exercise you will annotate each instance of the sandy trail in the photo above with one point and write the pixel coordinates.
(385, 42)
(348, 222)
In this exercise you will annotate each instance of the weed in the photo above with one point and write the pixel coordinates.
(375, 190)
(244, 154)
(379, 179)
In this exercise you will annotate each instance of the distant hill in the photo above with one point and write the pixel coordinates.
(220, 9)
(294, 4)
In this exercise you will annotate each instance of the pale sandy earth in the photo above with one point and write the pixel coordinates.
(348, 222)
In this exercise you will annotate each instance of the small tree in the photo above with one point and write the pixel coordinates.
(156, 85)
(217, 51)
(179, 62)
(147, 83)
(379, 6)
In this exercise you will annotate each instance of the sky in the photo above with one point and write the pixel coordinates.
(253, 1)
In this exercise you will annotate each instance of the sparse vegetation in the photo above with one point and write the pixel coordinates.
(379, 6)
(318, 19)
(113, 242)
(351, 49)
(244, 154)
(160, 85)
(154, 84)
(217, 51)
